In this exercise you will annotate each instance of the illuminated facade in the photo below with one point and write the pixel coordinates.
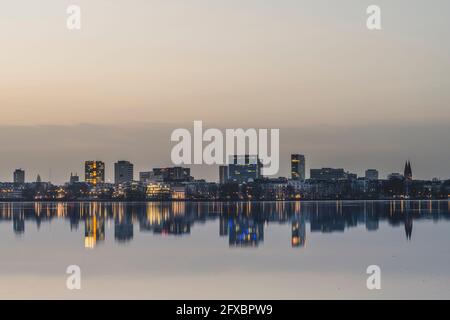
(158, 191)
(298, 167)
(94, 172)
(178, 193)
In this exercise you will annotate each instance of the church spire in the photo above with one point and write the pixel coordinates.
(408, 171)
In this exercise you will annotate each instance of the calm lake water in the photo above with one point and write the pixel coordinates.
(269, 250)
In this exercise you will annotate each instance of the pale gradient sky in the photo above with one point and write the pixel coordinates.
(261, 63)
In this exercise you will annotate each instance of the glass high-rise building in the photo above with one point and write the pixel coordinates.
(244, 168)
(123, 172)
(94, 172)
(298, 167)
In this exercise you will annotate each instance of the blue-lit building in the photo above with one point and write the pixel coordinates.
(245, 168)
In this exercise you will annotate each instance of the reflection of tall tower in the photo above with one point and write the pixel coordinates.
(408, 226)
(223, 225)
(298, 238)
(94, 231)
(123, 228)
(408, 171)
(19, 223)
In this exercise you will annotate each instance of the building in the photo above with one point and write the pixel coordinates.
(244, 169)
(408, 171)
(158, 191)
(328, 174)
(298, 167)
(178, 192)
(223, 174)
(146, 177)
(123, 172)
(274, 188)
(173, 174)
(395, 176)
(74, 178)
(371, 174)
(201, 190)
(11, 191)
(19, 176)
(94, 172)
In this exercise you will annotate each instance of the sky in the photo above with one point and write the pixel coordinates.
(342, 95)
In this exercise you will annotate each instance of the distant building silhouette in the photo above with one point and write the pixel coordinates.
(74, 178)
(19, 176)
(123, 172)
(372, 174)
(223, 174)
(408, 171)
(328, 174)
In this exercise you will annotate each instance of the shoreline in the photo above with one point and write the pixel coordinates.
(219, 201)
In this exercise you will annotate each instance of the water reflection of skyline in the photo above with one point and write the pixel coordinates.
(243, 223)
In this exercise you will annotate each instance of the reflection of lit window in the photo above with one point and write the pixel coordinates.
(89, 242)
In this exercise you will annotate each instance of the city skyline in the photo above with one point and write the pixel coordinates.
(63, 149)
(94, 172)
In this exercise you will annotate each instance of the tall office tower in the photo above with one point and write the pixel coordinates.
(19, 176)
(223, 174)
(408, 171)
(371, 174)
(123, 172)
(298, 167)
(244, 168)
(94, 172)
